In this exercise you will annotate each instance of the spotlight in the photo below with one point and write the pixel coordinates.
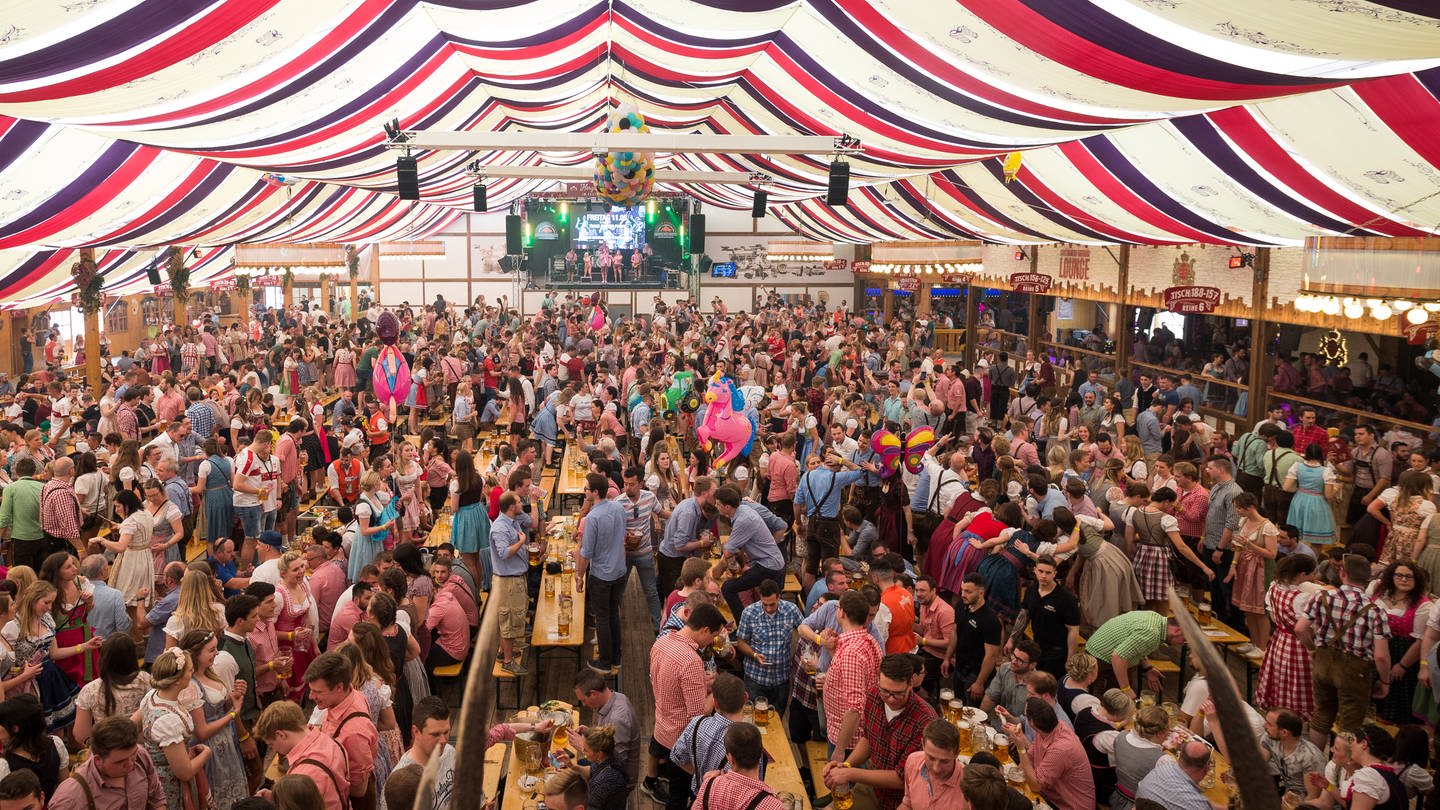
(407, 177)
(839, 190)
(481, 205)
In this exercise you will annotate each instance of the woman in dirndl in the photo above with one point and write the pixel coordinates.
(31, 634)
(1285, 680)
(1254, 544)
(1154, 535)
(1402, 591)
(1314, 485)
(73, 597)
(297, 621)
(1410, 503)
(1001, 568)
(975, 535)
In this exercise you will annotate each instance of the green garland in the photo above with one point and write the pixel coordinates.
(179, 273)
(352, 261)
(89, 286)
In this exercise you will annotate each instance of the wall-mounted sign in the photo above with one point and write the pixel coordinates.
(1418, 334)
(223, 284)
(1075, 264)
(579, 189)
(547, 231)
(860, 267)
(836, 264)
(1035, 282)
(665, 230)
(163, 288)
(957, 278)
(1064, 309)
(908, 283)
(1192, 300)
(268, 281)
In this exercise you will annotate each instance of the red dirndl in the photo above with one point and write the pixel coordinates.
(1285, 680)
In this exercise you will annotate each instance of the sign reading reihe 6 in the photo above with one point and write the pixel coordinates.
(1192, 299)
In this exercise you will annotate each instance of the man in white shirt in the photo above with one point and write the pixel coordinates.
(271, 547)
(256, 487)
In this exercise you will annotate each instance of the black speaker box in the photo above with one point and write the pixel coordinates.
(697, 233)
(152, 274)
(407, 176)
(839, 190)
(514, 245)
(480, 204)
(757, 208)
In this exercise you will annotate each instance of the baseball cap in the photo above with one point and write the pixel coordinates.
(272, 538)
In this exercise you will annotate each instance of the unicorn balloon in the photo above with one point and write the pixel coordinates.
(392, 374)
(726, 421)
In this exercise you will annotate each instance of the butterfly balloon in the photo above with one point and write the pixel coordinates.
(894, 451)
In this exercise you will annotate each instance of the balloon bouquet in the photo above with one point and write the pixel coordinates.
(392, 373)
(894, 451)
(626, 178)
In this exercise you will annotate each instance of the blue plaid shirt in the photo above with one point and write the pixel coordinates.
(770, 636)
(702, 745)
(202, 419)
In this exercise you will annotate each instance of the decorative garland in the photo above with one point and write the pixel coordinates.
(89, 286)
(179, 273)
(352, 261)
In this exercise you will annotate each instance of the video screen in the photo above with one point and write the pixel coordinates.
(618, 229)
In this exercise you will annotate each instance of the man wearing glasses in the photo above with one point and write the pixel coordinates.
(893, 727)
(1007, 689)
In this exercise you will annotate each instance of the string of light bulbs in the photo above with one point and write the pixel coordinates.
(1381, 309)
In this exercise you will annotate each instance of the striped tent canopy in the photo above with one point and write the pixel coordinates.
(135, 124)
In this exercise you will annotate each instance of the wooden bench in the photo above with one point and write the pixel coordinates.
(1167, 667)
(502, 680)
(817, 755)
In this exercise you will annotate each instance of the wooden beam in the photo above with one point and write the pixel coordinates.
(92, 335)
(1260, 366)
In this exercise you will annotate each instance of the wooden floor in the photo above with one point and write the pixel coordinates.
(555, 677)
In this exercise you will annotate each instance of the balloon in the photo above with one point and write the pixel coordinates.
(890, 449)
(733, 430)
(392, 377)
(597, 318)
(917, 443)
(625, 178)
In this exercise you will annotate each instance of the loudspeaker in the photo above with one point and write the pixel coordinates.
(757, 208)
(480, 204)
(407, 176)
(839, 190)
(697, 233)
(514, 246)
(152, 274)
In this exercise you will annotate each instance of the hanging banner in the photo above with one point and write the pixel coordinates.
(908, 284)
(836, 264)
(957, 278)
(163, 288)
(1030, 282)
(223, 284)
(860, 267)
(1192, 300)
(268, 281)
(1418, 334)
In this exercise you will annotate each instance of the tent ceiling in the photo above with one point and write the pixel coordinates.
(126, 124)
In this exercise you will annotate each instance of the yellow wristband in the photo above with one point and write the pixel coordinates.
(846, 764)
(1424, 662)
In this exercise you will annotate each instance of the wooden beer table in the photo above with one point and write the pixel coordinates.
(545, 635)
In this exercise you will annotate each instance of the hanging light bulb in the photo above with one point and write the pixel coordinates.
(1353, 311)
(1382, 312)
(1433, 306)
(1331, 306)
(1373, 302)
(1401, 305)
(1417, 315)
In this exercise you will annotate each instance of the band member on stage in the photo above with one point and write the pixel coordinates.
(636, 261)
(589, 266)
(570, 261)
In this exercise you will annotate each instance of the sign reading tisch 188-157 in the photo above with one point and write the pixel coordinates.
(1192, 300)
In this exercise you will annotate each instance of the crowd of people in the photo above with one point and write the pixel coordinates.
(1020, 566)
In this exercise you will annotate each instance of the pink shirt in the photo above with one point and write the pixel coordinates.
(289, 454)
(266, 646)
(450, 621)
(331, 775)
(784, 477)
(341, 625)
(326, 585)
(358, 737)
(924, 791)
(168, 407)
(1063, 769)
(677, 679)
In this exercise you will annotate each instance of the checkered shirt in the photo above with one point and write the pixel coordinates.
(769, 635)
(892, 741)
(702, 745)
(735, 791)
(1329, 613)
(1306, 436)
(202, 419)
(854, 673)
(59, 510)
(802, 687)
(677, 680)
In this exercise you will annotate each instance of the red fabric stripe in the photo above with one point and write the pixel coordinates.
(1036, 32)
(882, 28)
(46, 267)
(1408, 108)
(681, 49)
(1240, 126)
(579, 62)
(365, 117)
(1121, 194)
(185, 186)
(250, 205)
(95, 199)
(348, 29)
(1063, 206)
(192, 37)
(996, 228)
